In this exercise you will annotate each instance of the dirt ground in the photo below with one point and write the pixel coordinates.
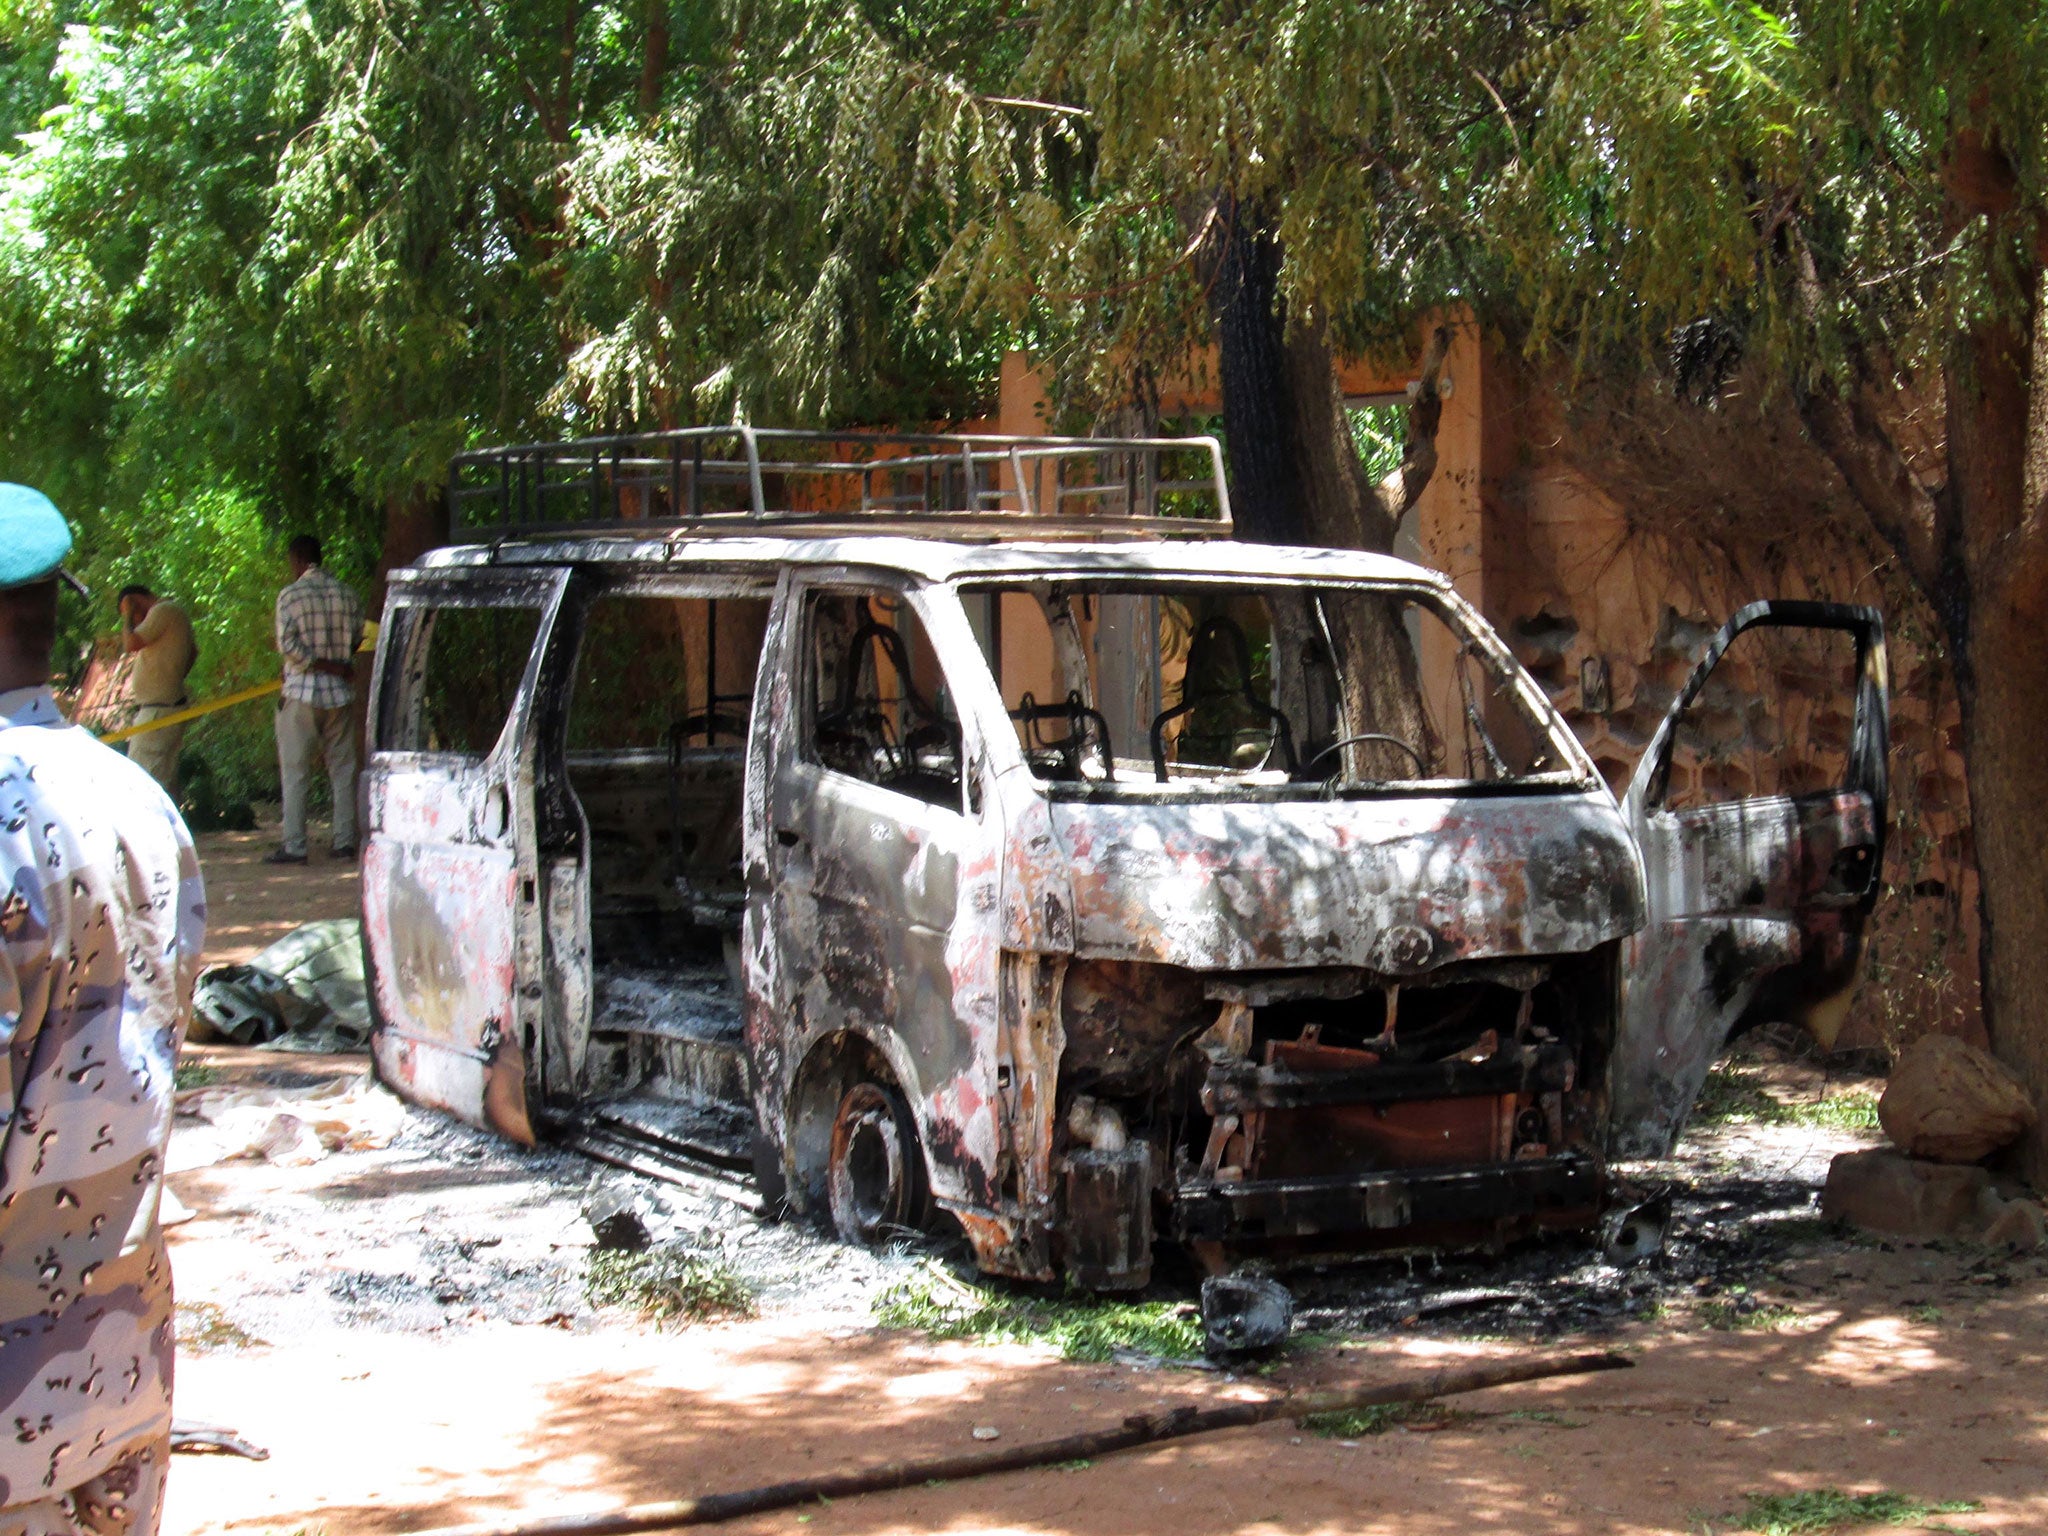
(403, 1325)
(250, 904)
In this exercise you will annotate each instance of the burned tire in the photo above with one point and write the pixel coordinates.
(876, 1180)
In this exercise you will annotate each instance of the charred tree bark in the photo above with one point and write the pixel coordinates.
(1266, 493)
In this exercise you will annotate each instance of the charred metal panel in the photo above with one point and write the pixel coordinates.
(1753, 904)
(768, 1042)
(439, 922)
(1396, 886)
(1108, 1218)
(568, 977)
(1406, 1207)
(1239, 1087)
(1029, 1045)
(1122, 1022)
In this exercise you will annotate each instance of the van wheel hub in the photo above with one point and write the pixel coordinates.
(876, 1184)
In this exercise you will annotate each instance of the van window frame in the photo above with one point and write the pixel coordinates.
(413, 596)
(915, 597)
(1577, 773)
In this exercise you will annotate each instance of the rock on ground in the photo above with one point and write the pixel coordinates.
(1952, 1102)
(2018, 1227)
(1886, 1191)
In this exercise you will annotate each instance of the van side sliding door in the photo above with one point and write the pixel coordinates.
(1763, 865)
(451, 922)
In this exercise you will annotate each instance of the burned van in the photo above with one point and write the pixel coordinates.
(967, 829)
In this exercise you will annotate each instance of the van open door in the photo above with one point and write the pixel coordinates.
(452, 928)
(1760, 881)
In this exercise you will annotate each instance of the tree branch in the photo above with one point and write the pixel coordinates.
(1425, 415)
(1905, 515)
(1902, 510)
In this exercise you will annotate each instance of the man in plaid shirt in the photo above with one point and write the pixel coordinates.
(319, 622)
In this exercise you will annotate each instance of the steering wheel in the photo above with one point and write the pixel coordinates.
(1421, 766)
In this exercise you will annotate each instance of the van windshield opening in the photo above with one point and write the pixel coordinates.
(1338, 687)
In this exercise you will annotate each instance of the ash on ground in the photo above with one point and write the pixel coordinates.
(446, 1227)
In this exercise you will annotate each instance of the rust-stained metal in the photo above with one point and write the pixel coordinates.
(1249, 1007)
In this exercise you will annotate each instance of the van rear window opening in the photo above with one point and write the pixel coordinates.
(1341, 687)
(467, 663)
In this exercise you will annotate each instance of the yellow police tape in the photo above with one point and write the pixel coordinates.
(179, 717)
(225, 701)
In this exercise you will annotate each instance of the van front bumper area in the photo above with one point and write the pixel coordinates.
(1395, 1207)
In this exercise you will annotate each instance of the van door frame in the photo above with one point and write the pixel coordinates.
(1756, 901)
(571, 974)
(474, 819)
(956, 1106)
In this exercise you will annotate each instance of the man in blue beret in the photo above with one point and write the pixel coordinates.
(101, 920)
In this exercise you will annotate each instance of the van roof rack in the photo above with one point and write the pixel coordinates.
(753, 480)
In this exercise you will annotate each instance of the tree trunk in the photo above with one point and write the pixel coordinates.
(1266, 490)
(1296, 479)
(2003, 719)
(415, 521)
(654, 57)
(1993, 585)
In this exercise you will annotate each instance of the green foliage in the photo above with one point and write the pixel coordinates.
(667, 1286)
(1094, 192)
(1376, 1419)
(1379, 432)
(1734, 1094)
(1828, 1509)
(935, 1301)
(1783, 168)
(1743, 1313)
(195, 1074)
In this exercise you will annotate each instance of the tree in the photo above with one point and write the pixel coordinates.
(1857, 193)
(1289, 181)
(755, 248)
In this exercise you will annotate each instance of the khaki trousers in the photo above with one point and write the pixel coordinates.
(300, 729)
(157, 751)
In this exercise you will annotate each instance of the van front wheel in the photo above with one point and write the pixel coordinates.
(876, 1183)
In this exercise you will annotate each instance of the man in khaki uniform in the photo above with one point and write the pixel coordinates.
(102, 918)
(158, 635)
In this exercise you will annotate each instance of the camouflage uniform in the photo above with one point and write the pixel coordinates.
(101, 920)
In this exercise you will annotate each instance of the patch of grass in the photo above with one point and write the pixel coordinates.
(1925, 1314)
(1730, 1096)
(667, 1285)
(194, 1074)
(1735, 1095)
(1828, 1509)
(203, 1327)
(1742, 1313)
(1377, 1419)
(1851, 1109)
(937, 1302)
